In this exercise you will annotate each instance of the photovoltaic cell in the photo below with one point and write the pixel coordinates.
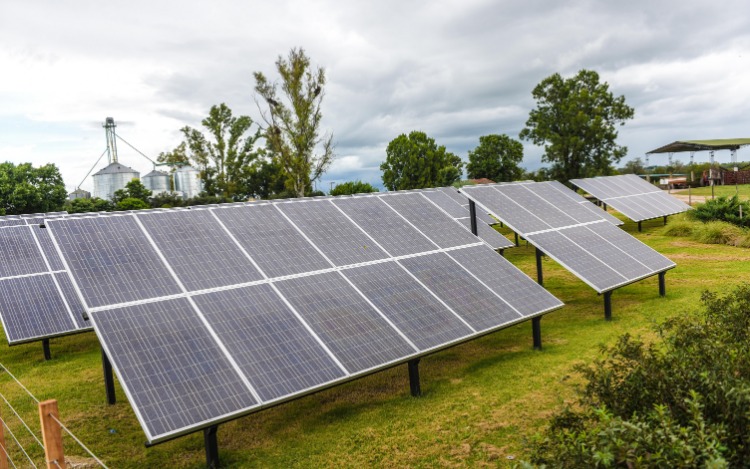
(422, 318)
(607, 252)
(74, 303)
(515, 215)
(270, 344)
(199, 250)
(172, 369)
(444, 201)
(11, 222)
(19, 254)
(480, 307)
(651, 258)
(112, 260)
(32, 308)
(358, 336)
(528, 298)
(332, 232)
(430, 220)
(392, 232)
(488, 234)
(48, 248)
(271, 240)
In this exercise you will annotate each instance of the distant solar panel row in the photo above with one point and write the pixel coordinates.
(593, 249)
(37, 299)
(207, 315)
(632, 196)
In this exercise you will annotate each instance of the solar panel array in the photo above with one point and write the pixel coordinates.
(600, 254)
(37, 300)
(632, 196)
(571, 194)
(207, 315)
(454, 194)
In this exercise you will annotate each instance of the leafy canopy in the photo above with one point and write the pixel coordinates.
(132, 190)
(576, 121)
(25, 189)
(293, 119)
(353, 187)
(497, 158)
(416, 161)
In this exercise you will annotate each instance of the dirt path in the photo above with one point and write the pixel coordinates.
(683, 196)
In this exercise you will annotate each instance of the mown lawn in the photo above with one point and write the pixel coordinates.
(480, 400)
(743, 190)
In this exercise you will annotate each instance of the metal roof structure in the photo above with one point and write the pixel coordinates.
(702, 145)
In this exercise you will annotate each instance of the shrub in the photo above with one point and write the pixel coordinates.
(688, 394)
(726, 209)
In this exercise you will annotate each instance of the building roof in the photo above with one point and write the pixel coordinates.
(702, 145)
(115, 168)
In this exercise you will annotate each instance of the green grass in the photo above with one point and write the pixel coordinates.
(480, 399)
(742, 189)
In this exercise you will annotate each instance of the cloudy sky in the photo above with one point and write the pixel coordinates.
(455, 69)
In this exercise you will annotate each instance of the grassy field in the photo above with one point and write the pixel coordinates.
(743, 190)
(480, 400)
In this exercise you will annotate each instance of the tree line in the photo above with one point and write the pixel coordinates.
(285, 153)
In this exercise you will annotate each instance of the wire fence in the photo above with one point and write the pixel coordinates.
(20, 419)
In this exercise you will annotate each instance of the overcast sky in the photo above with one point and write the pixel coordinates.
(453, 69)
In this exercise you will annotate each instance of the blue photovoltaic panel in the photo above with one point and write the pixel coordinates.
(524, 195)
(271, 240)
(111, 260)
(392, 232)
(332, 232)
(19, 253)
(358, 336)
(11, 222)
(575, 211)
(171, 368)
(514, 215)
(74, 303)
(429, 219)
(199, 250)
(577, 259)
(32, 309)
(480, 307)
(444, 201)
(48, 248)
(422, 318)
(581, 200)
(651, 258)
(607, 252)
(488, 234)
(528, 298)
(270, 344)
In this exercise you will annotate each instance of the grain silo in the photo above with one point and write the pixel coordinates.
(157, 182)
(187, 180)
(114, 176)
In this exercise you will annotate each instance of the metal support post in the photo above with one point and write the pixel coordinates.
(639, 227)
(516, 234)
(45, 347)
(605, 206)
(539, 274)
(109, 379)
(502, 251)
(536, 332)
(662, 284)
(665, 219)
(473, 216)
(608, 305)
(416, 390)
(212, 446)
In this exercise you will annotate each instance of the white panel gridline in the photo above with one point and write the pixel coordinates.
(326, 306)
(598, 253)
(630, 195)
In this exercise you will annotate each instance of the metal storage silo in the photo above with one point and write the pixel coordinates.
(156, 181)
(187, 180)
(111, 178)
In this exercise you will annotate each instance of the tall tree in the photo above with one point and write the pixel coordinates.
(576, 121)
(25, 189)
(292, 130)
(416, 161)
(134, 189)
(497, 158)
(353, 187)
(225, 155)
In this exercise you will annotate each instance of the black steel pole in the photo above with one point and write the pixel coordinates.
(473, 216)
(414, 386)
(536, 332)
(212, 446)
(608, 305)
(109, 379)
(639, 227)
(662, 284)
(539, 274)
(45, 347)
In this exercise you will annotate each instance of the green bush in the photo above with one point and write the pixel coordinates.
(726, 209)
(688, 394)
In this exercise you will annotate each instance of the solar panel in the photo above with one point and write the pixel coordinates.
(632, 196)
(581, 200)
(599, 253)
(488, 234)
(36, 298)
(454, 194)
(316, 292)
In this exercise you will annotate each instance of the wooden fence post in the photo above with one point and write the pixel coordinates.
(4, 449)
(51, 434)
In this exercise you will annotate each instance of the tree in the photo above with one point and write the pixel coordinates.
(496, 158)
(131, 203)
(576, 121)
(292, 130)
(352, 187)
(634, 166)
(416, 161)
(225, 156)
(25, 189)
(82, 205)
(133, 190)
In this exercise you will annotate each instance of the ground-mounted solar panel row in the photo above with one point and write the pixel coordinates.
(632, 196)
(599, 253)
(207, 315)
